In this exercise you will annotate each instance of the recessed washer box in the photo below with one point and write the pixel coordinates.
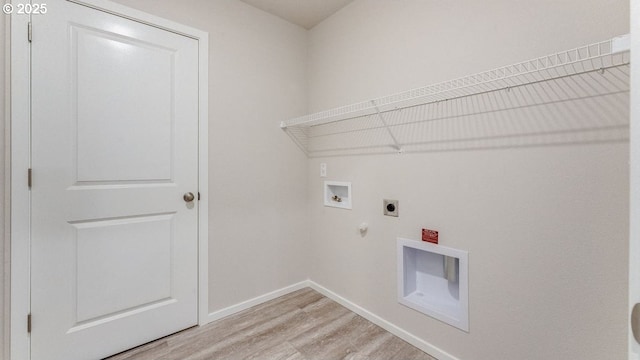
(434, 280)
(337, 194)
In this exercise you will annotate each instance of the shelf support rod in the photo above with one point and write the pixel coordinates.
(396, 145)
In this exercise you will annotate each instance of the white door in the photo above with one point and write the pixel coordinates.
(114, 149)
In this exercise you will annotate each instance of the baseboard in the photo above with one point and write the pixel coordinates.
(395, 330)
(390, 327)
(219, 314)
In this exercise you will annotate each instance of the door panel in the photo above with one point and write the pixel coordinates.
(114, 148)
(99, 57)
(100, 244)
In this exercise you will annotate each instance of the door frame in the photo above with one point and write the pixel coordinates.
(634, 177)
(20, 155)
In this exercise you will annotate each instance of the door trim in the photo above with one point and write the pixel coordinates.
(20, 145)
(634, 180)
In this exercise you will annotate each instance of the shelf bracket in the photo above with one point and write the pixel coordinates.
(396, 144)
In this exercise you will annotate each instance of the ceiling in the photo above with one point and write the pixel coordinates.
(305, 13)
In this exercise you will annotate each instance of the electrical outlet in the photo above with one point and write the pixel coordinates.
(323, 170)
(390, 207)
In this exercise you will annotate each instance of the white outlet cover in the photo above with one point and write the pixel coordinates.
(323, 169)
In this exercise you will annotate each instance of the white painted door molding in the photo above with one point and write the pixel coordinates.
(20, 162)
(634, 181)
(20, 198)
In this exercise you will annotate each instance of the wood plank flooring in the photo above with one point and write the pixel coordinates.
(303, 325)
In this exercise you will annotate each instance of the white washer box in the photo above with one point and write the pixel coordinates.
(337, 194)
(434, 280)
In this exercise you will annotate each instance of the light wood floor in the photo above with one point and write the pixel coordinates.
(298, 326)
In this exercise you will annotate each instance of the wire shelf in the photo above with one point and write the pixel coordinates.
(575, 96)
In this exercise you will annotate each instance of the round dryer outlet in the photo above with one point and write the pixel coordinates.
(390, 207)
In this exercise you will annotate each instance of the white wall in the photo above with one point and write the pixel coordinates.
(546, 227)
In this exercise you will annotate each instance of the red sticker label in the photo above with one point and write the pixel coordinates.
(430, 236)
